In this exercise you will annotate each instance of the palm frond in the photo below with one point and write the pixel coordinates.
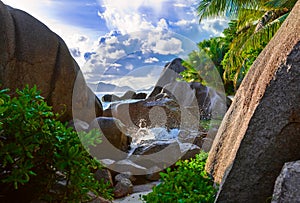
(235, 62)
(211, 8)
(289, 4)
(247, 16)
(214, 8)
(270, 16)
(231, 32)
(265, 34)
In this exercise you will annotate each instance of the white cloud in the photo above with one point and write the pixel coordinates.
(214, 26)
(184, 23)
(116, 48)
(180, 5)
(162, 43)
(151, 60)
(162, 25)
(141, 78)
(116, 65)
(124, 16)
(82, 38)
(75, 52)
(169, 46)
(129, 67)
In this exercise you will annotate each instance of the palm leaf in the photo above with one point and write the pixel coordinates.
(214, 8)
(265, 34)
(289, 4)
(270, 16)
(247, 17)
(246, 41)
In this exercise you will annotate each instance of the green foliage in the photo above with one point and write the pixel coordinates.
(205, 65)
(200, 68)
(37, 152)
(254, 24)
(208, 124)
(289, 4)
(216, 8)
(235, 74)
(188, 182)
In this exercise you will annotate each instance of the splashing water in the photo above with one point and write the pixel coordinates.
(144, 134)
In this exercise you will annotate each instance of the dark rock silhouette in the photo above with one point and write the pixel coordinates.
(169, 74)
(128, 95)
(30, 53)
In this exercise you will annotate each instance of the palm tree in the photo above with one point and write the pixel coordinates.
(255, 22)
(210, 53)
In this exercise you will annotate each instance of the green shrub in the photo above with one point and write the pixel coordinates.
(188, 182)
(37, 152)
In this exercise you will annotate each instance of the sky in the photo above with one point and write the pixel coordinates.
(111, 39)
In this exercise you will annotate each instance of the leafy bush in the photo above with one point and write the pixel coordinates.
(40, 158)
(187, 183)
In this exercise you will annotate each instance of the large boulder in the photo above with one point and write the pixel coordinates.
(30, 53)
(169, 74)
(179, 105)
(162, 113)
(114, 132)
(261, 130)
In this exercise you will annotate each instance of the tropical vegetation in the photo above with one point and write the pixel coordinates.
(40, 158)
(187, 183)
(252, 25)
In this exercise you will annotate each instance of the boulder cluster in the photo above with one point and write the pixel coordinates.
(255, 153)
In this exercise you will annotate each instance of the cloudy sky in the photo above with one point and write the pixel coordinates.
(110, 38)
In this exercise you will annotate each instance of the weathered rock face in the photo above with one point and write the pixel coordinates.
(32, 54)
(261, 130)
(169, 74)
(123, 188)
(163, 113)
(113, 130)
(172, 103)
(288, 183)
(179, 105)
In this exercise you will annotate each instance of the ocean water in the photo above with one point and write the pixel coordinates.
(119, 94)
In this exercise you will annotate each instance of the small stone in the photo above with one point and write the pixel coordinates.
(141, 95)
(127, 175)
(96, 199)
(105, 175)
(100, 200)
(126, 165)
(123, 188)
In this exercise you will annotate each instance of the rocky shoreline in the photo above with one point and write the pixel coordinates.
(144, 137)
(257, 140)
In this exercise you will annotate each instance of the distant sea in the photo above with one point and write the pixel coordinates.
(119, 94)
